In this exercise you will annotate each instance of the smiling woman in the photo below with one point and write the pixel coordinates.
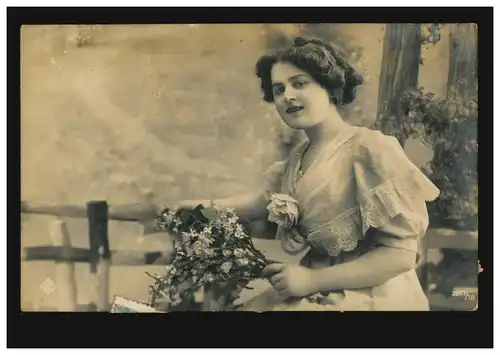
(361, 203)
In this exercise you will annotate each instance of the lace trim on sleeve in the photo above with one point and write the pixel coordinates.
(393, 197)
(375, 208)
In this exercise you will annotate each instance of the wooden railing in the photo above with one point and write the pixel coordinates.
(101, 258)
(443, 238)
(99, 255)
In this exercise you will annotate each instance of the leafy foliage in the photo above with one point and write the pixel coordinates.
(450, 126)
(431, 33)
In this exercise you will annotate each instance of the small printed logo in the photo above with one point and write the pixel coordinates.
(467, 293)
(48, 286)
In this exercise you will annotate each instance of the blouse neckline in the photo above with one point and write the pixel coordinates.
(332, 146)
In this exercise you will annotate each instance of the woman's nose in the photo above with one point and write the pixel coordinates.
(290, 95)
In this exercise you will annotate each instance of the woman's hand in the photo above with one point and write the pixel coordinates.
(290, 280)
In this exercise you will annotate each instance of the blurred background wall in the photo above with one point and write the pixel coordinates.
(161, 113)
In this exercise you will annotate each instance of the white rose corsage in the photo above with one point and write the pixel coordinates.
(284, 210)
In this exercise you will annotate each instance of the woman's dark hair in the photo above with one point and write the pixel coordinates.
(325, 62)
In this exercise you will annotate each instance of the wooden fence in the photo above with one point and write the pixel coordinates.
(442, 238)
(99, 255)
(101, 258)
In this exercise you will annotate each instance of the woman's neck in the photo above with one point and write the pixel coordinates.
(326, 130)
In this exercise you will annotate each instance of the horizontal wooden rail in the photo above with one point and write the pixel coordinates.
(125, 212)
(271, 248)
(57, 253)
(443, 238)
(437, 238)
(71, 254)
(439, 302)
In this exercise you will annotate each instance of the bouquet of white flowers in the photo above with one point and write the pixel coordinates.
(212, 248)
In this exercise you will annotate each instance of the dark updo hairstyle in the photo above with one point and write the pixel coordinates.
(325, 62)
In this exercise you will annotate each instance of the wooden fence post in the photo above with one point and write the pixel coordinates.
(64, 270)
(100, 255)
(399, 72)
(462, 74)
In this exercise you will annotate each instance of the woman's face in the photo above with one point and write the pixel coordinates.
(300, 101)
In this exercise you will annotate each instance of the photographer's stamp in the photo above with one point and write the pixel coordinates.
(466, 293)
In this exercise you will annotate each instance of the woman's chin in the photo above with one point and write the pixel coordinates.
(298, 126)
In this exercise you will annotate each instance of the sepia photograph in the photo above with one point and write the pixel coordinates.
(249, 167)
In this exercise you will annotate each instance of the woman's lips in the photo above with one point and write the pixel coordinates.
(293, 109)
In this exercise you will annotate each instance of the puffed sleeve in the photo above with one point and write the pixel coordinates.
(273, 177)
(392, 193)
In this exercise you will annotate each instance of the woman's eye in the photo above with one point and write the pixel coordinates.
(299, 84)
(277, 90)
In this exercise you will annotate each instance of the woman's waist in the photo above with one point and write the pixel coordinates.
(317, 258)
(328, 246)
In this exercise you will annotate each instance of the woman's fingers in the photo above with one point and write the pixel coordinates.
(281, 285)
(276, 278)
(272, 269)
(283, 290)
